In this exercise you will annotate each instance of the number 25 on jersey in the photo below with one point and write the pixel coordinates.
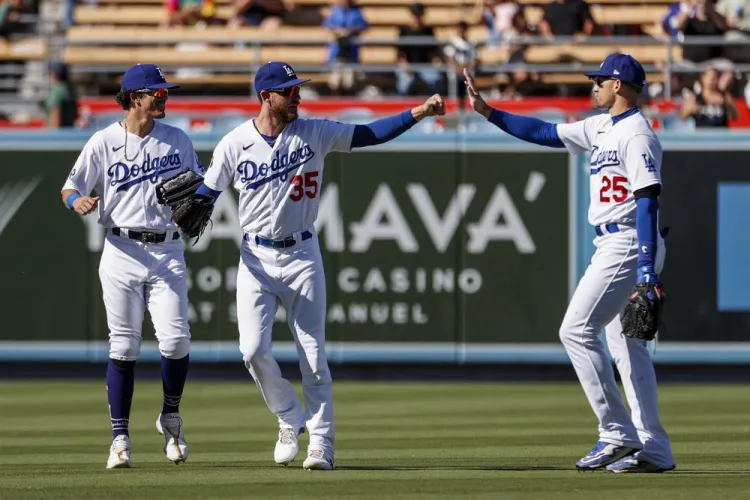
(613, 189)
(304, 185)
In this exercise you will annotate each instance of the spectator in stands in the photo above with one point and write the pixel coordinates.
(424, 80)
(345, 23)
(711, 105)
(566, 18)
(61, 105)
(521, 82)
(10, 15)
(701, 20)
(669, 22)
(266, 14)
(498, 16)
(737, 14)
(461, 53)
(190, 12)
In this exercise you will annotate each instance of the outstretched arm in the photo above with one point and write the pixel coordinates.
(522, 127)
(390, 127)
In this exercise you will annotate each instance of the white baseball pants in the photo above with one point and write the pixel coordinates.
(136, 276)
(597, 302)
(293, 277)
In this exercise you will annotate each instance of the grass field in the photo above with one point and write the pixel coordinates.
(395, 440)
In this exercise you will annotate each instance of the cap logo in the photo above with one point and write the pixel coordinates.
(289, 71)
(615, 72)
(160, 73)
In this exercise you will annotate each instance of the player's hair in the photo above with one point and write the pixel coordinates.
(123, 99)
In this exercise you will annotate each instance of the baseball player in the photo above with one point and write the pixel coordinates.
(275, 162)
(625, 187)
(142, 264)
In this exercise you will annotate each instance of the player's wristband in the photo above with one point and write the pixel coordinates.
(71, 198)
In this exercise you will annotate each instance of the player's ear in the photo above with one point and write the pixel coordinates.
(135, 98)
(264, 96)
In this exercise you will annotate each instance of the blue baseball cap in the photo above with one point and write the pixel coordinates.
(145, 76)
(275, 75)
(623, 67)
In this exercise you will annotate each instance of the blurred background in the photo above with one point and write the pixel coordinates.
(451, 249)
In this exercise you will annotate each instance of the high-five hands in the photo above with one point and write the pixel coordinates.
(434, 106)
(476, 100)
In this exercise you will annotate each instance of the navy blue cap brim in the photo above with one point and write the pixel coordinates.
(290, 83)
(598, 73)
(164, 85)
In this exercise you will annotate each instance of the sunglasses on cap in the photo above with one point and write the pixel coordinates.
(287, 91)
(159, 93)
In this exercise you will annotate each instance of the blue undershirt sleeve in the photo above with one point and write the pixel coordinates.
(382, 130)
(207, 191)
(527, 128)
(646, 216)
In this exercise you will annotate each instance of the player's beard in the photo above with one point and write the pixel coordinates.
(287, 115)
(158, 109)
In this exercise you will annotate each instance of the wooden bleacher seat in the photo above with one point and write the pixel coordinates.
(134, 15)
(311, 55)
(122, 35)
(591, 54)
(150, 14)
(216, 56)
(29, 49)
(610, 14)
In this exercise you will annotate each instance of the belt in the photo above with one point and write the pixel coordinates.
(603, 229)
(143, 236)
(287, 242)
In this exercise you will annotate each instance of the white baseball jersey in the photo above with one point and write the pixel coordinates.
(127, 188)
(625, 157)
(279, 185)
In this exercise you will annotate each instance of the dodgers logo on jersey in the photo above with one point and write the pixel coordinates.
(649, 163)
(254, 175)
(603, 159)
(128, 176)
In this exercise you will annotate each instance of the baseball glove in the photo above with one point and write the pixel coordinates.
(179, 188)
(191, 212)
(641, 317)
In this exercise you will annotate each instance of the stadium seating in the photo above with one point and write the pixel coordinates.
(24, 49)
(225, 55)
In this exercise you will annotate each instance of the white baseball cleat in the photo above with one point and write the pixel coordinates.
(159, 428)
(175, 446)
(318, 460)
(287, 447)
(119, 453)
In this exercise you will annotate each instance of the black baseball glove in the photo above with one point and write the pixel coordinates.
(641, 317)
(191, 212)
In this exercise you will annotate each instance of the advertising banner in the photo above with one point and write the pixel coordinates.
(419, 247)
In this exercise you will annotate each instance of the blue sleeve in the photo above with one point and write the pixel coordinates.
(358, 21)
(527, 129)
(334, 19)
(382, 130)
(646, 216)
(207, 191)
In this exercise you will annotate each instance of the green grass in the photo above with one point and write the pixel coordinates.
(395, 440)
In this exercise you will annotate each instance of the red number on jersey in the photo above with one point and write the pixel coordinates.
(616, 184)
(306, 185)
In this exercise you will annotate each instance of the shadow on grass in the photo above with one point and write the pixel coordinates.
(454, 467)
